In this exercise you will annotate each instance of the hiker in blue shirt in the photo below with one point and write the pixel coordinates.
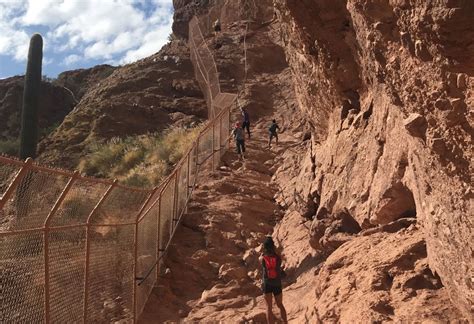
(272, 130)
(245, 120)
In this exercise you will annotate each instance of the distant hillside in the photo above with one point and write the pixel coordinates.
(147, 96)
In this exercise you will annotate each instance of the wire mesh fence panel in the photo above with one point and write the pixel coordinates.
(79, 203)
(182, 188)
(192, 166)
(214, 87)
(147, 253)
(194, 31)
(153, 198)
(205, 145)
(121, 206)
(201, 78)
(7, 174)
(111, 275)
(66, 275)
(166, 212)
(22, 278)
(30, 204)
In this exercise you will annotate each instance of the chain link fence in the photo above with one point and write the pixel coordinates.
(76, 249)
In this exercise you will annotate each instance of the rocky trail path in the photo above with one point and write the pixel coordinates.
(213, 260)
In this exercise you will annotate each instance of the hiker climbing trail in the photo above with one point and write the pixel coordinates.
(213, 260)
(214, 271)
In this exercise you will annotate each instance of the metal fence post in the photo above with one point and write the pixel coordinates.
(197, 152)
(189, 174)
(158, 254)
(54, 209)
(213, 146)
(175, 201)
(88, 247)
(221, 139)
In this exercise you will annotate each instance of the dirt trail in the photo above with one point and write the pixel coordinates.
(213, 260)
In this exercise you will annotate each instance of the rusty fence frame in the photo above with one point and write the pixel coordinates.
(73, 264)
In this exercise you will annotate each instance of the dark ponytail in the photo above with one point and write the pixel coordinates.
(269, 245)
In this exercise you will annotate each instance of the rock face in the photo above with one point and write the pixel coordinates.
(134, 99)
(80, 81)
(378, 278)
(55, 103)
(375, 222)
(387, 95)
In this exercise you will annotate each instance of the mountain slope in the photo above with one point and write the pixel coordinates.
(135, 99)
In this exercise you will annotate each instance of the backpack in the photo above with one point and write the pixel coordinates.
(273, 128)
(238, 133)
(271, 263)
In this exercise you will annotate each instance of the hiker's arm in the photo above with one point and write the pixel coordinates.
(263, 269)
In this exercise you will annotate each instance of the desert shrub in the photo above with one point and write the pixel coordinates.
(103, 159)
(10, 147)
(48, 130)
(141, 161)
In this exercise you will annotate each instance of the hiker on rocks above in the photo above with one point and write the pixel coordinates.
(272, 131)
(217, 26)
(245, 120)
(239, 137)
(271, 283)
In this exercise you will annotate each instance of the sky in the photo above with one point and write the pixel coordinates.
(81, 33)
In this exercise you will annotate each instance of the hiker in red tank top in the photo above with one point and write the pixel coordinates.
(271, 283)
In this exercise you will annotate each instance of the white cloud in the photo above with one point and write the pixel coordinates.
(118, 30)
(47, 61)
(71, 59)
(153, 41)
(13, 42)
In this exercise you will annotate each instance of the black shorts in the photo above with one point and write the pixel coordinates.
(271, 289)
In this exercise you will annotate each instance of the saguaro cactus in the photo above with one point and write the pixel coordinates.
(31, 94)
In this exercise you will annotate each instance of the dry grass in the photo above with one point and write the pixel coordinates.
(10, 147)
(138, 160)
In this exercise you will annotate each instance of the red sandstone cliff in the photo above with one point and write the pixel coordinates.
(387, 87)
(372, 182)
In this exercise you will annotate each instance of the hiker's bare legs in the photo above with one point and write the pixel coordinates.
(268, 301)
(276, 140)
(279, 303)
